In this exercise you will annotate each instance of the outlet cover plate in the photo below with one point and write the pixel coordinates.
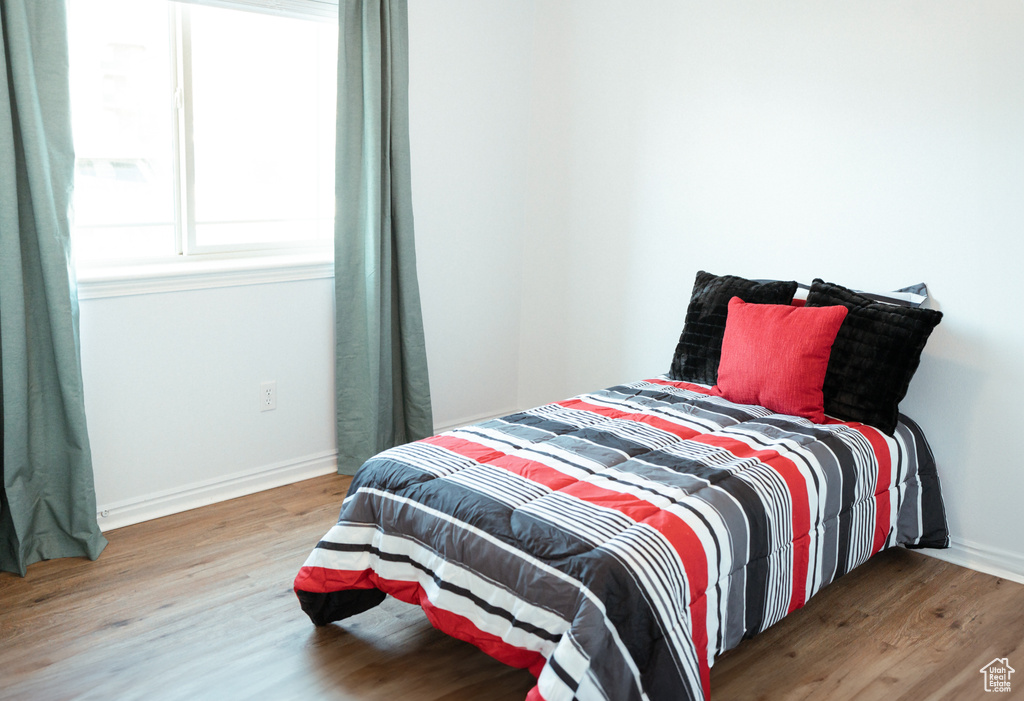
(268, 395)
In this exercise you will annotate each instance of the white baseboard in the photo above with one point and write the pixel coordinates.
(191, 496)
(474, 420)
(983, 558)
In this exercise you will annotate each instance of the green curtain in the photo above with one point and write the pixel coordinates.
(47, 504)
(382, 391)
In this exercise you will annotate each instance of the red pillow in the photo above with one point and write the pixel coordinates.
(776, 355)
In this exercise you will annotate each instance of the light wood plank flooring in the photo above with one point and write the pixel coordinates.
(199, 606)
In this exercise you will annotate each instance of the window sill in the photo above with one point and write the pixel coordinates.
(96, 282)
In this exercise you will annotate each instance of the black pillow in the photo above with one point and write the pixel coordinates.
(875, 354)
(700, 344)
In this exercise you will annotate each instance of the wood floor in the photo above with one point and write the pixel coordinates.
(199, 606)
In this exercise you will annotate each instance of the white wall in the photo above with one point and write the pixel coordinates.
(172, 393)
(469, 100)
(172, 379)
(575, 163)
(874, 144)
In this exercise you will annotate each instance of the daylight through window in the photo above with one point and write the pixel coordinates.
(199, 130)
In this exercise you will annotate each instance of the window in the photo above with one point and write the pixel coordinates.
(199, 130)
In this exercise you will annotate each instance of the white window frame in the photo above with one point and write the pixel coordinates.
(302, 9)
(208, 266)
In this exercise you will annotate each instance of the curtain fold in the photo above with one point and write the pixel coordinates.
(382, 389)
(47, 502)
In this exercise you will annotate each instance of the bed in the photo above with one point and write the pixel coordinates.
(614, 543)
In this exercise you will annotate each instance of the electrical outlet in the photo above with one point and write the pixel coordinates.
(268, 396)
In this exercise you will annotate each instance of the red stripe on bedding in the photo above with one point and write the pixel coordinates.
(701, 389)
(684, 540)
(884, 482)
(676, 531)
(322, 580)
(883, 499)
(530, 469)
(412, 593)
(647, 419)
(797, 486)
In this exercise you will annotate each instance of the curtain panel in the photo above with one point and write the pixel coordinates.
(382, 390)
(47, 501)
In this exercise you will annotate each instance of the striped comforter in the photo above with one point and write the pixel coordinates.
(616, 542)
